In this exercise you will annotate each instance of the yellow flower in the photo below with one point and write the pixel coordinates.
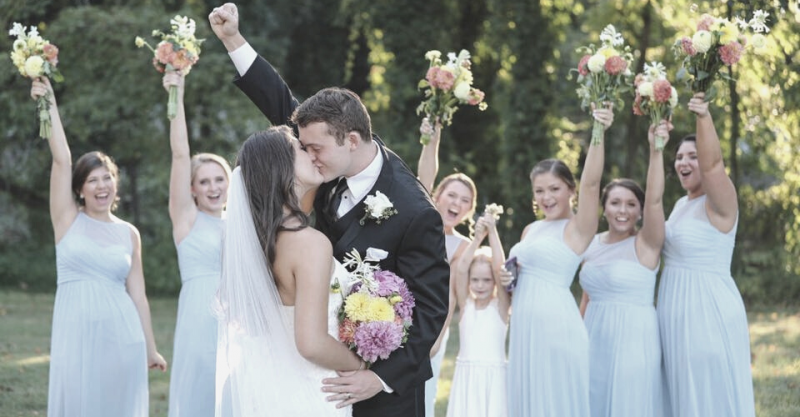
(395, 299)
(462, 91)
(139, 42)
(646, 89)
(34, 66)
(432, 55)
(701, 41)
(608, 52)
(18, 58)
(728, 33)
(381, 310)
(191, 48)
(356, 306)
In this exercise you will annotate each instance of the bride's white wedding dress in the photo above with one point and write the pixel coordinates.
(259, 369)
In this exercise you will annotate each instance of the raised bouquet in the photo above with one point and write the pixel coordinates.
(655, 96)
(604, 74)
(377, 310)
(177, 51)
(35, 57)
(716, 43)
(447, 85)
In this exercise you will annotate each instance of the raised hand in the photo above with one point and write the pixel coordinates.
(604, 115)
(224, 22)
(482, 228)
(661, 130)
(173, 79)
(698, 105)
(40, 87)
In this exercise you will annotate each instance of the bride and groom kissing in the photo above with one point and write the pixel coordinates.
(278, 349)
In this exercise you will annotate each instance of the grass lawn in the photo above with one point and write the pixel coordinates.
(25, 320)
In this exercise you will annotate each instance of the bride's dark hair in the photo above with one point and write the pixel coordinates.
(266, 160)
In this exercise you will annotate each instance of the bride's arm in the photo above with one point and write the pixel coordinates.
(310, 260)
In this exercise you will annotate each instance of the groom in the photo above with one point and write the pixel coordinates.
(335, 129)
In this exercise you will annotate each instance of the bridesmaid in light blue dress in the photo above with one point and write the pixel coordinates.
(704, 334)
(455, 198)
(618, 279)
(198, 191)
(102, 339)
(548, 363)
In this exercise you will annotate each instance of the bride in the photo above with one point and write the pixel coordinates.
(280, 291)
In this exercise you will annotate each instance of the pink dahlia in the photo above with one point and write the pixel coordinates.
(731, 53)
(377, 339)
(706, 20)
(475, 97)
(616, 65)
(347, 330)
(662, 91)
(688, 48)
(583, 69)
(164, 53)
(50, 52)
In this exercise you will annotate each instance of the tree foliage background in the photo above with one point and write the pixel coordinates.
(112, 100)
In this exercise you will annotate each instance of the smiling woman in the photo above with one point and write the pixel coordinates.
(101, 318)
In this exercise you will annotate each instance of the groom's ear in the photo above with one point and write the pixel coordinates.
(353, 139)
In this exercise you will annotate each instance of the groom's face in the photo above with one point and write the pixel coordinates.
(332, 159)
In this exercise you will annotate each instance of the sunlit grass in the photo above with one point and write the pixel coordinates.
(25, 321)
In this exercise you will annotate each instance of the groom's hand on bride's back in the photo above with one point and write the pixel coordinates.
(351, 387)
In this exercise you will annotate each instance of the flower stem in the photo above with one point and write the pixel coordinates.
(43, 106)
(597, 133)
(172, 104)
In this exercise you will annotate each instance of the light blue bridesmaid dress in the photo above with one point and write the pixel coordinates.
(192, 379)
(98, 356)
(548, 360)
(625, 373)
(704, 334)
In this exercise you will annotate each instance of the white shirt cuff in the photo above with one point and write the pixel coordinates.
(386, 388)
(243, 58)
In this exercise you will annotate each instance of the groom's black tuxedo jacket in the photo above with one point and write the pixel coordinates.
(413, 237)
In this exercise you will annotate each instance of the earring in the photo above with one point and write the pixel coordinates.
(81, 196)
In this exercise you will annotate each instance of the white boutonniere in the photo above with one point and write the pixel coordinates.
(379, 208)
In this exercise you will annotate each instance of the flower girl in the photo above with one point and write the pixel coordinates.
(479, 382)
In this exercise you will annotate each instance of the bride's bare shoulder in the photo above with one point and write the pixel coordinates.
(304, 243)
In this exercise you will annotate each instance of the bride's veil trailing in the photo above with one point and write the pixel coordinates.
(259, 371)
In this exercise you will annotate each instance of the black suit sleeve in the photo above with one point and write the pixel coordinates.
(421, 261)
(267, 90)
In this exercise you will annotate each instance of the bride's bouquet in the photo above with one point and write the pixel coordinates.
(35, 57)
(376, 315)
(716, 43)
(655, 96)
(604, 74)
(177, 51)
(446, 86)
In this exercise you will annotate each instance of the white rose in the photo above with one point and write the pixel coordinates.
(378, 204)
(462, 91)
(34, 66)
(673, 97)
(701, 41)
(759, 42)
(646, 89)
(596, 63)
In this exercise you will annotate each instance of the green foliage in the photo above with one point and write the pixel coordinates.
(112, 100)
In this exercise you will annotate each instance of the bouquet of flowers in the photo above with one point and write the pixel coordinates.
(35, 57)
(603, 74)
(446, 86)
(655, 96)
(177, 51)
(494, 209)
(376, 315)
(717, 42)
